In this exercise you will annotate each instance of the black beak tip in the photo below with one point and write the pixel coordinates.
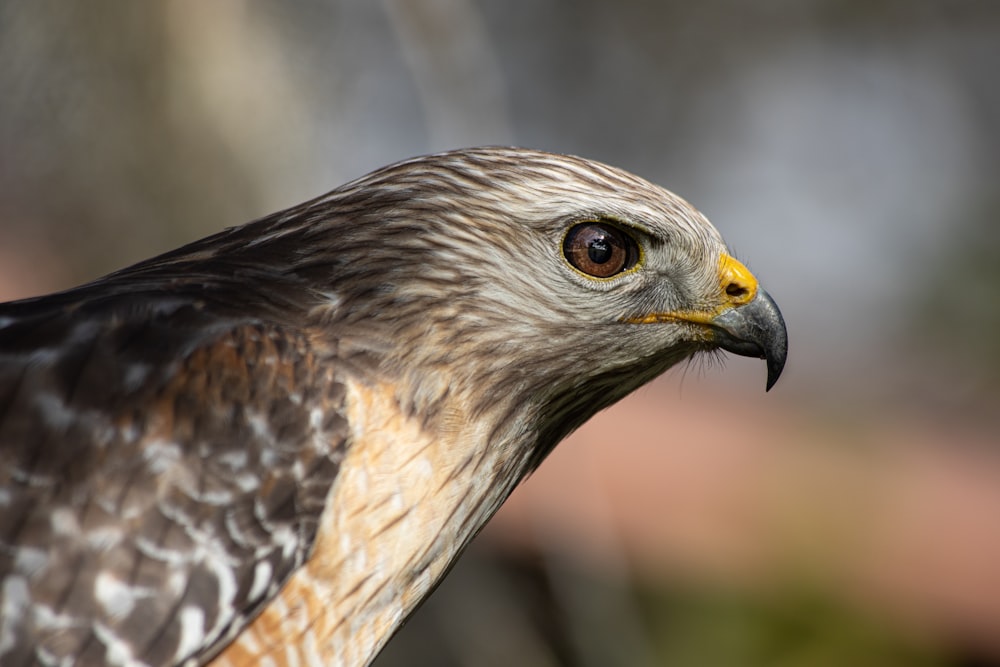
(775, 365)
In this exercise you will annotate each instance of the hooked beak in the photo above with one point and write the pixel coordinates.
(747, 322)
(754, 329)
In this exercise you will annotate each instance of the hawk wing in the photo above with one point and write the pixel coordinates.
(162, 472)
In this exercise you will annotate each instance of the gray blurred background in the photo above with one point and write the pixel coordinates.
(848, 150)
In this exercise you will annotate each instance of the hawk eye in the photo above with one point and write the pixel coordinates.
(599, 249)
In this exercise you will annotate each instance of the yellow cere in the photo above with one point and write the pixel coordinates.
(739, 286)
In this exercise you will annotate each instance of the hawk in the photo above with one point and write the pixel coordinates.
(266, 447)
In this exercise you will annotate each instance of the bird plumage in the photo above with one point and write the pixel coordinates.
(290, 429)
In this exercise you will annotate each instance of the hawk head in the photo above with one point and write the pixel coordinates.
(532, 288)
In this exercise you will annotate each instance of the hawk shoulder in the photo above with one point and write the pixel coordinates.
(162, 473)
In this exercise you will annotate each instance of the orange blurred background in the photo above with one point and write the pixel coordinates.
(848, 150)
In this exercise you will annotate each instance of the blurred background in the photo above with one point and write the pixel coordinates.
(849, 150)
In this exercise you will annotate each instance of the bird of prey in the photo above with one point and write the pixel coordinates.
(266, 447)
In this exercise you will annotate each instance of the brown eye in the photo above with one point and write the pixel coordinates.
(599, 249)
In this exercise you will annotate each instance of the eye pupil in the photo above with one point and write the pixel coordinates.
(600, 249)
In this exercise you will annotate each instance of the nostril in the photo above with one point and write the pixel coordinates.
(737, 290)
(737, 282)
